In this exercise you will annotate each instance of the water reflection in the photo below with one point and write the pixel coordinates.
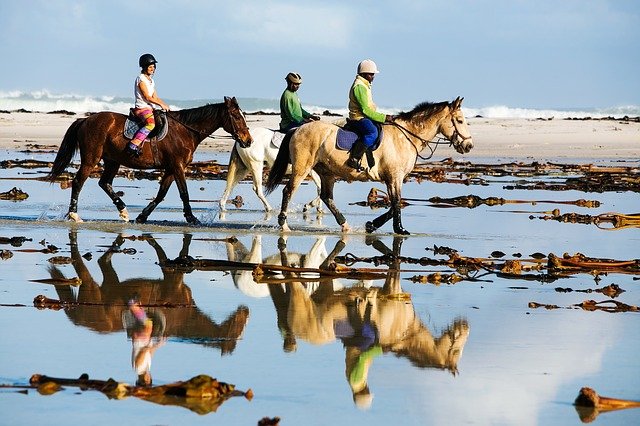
(146, 331)
(105, 306)
(369, 320)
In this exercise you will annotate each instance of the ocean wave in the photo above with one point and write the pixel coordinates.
(46, 101)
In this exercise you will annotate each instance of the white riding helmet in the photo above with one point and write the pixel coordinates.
(368, 67)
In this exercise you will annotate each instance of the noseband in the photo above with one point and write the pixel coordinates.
(457, 136)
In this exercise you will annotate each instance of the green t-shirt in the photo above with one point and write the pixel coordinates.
(291, 111)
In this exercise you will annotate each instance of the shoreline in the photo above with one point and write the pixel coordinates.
(494, 138)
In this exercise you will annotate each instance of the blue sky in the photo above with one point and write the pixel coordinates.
(531, 54)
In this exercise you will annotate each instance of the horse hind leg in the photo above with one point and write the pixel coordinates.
(326, 194)
(316, 202)
(106, 181)
(287, 193)
(76, 186)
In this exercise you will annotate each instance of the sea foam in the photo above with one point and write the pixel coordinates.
(46, 101)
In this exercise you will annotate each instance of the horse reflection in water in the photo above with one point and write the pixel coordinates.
(243, 278)
(109, 307)
(368, 320)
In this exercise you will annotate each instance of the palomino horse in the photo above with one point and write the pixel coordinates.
(100, 136)
(312, 147)
(252, 159)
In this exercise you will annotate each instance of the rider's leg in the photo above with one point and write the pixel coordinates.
(368, 135)
(145, 114)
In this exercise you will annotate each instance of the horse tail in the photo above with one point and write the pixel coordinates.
(279, 168)
(67, 150)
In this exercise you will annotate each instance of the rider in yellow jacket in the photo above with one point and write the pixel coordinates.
(362, 112)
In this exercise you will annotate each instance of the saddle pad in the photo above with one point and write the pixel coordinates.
(276, 139)
(345, 139)
(131, 127)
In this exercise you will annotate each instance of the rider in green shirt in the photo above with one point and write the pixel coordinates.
(291, 112)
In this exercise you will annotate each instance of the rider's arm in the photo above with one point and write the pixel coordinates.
(151, 97)
(361, 95)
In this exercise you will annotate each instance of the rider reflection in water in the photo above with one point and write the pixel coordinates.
(361, 340)
(144, 344)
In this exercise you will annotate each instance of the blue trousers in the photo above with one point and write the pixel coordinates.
(367, 131)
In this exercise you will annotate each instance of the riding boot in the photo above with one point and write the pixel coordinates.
(133, 149)
(355, 155)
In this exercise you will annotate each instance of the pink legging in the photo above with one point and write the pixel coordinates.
(145, 114)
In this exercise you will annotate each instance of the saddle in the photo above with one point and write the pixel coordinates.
(133, 124)
(345, 138)
(276, 139)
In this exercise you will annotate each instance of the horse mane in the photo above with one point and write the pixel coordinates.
(426, 108)
(197, 114)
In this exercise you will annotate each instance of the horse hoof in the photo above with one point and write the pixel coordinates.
(369, 227)
(124, 215)
(141, 219)
(73, 216)
(285, 228)
(193, 221)
(402, 231)
(345, 227)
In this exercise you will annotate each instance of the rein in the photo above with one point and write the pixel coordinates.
(205, 133)
(426, 143)
(438, 141)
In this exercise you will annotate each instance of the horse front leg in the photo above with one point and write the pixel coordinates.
(181, 182)
(326, 194)
(395, 198)
(106, 181)
(165, 183)
(376, 223)
(256, 173)
(236, 171)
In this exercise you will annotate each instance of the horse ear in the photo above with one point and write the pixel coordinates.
(456, 103)
(226, 99)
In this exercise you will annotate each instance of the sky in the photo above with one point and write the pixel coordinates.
(528, 54)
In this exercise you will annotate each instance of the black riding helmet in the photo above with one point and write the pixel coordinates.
(146, 60)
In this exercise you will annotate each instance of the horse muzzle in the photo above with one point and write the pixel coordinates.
(244, 142)
(463, 145)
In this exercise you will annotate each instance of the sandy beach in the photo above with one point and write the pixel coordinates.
(526, 139)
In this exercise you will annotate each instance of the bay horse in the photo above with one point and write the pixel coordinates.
(313, 147)
(100, 136)
(252, 159)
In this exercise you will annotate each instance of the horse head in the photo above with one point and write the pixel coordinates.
(236, 125)
(455, 129)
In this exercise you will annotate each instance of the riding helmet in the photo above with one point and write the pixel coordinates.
(146, 60)
(367, 67)
(294, 77)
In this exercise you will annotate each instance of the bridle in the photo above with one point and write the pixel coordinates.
(455, 136)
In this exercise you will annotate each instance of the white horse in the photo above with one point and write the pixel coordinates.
(252, 159)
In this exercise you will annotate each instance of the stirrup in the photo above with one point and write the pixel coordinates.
(355, 164)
